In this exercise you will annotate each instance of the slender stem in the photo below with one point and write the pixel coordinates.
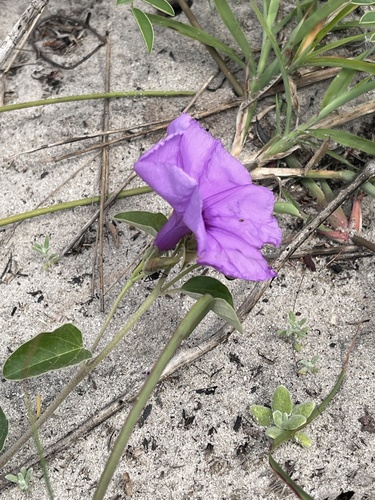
(70, 204)
(104, 95)
(136, 276)
(183, 273)
(84, 370)
(191, 320)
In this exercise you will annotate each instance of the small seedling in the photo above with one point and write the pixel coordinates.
(22, 479)
(308, 365)
(284, 415)
(44, 249)
(296, 330)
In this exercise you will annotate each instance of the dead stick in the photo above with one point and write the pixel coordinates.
(20, 28)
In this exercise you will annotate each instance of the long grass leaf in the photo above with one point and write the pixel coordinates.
(346, 139)
(196, 34)
(341, 42)
(228, 18)
(325, 10)
(340, 83)
(281, 61)
(342, 62)
(361, 88)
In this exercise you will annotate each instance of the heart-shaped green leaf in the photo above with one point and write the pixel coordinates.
(46, 352)
(3, 428)
(148, 222)
(281, 400)
(261, 414)
(145, 27)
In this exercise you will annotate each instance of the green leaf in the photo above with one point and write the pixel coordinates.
(278, 418)
(362, 2)
(161, 5)
(284, 207)
(3, 428)
(148, 222)
(200, 285)
(303, 439)
(368, 18)
(119, 2)
(231, 23)
(304, 409)
(345, 138)
(196, 34)
(342, 62)
(262, 415)
(294, 422)
(227, 313)
(281, 400)
(273, 432)
(46, 352)
(223, 305)
(145, 27)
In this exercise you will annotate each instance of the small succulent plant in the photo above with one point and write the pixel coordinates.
(283, 416)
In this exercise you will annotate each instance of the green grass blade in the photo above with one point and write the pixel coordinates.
(340, 83)
(342, 62)
(346, 139)
(361, 88)
(196, 34)
(228, 18)
(341, 42)
(325, 10)
(282, 64)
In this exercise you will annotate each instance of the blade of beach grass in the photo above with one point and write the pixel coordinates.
(233, 26)
(196, 34)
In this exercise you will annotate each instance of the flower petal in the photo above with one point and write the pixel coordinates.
(245, 212)
(234, 258)
(239, 222)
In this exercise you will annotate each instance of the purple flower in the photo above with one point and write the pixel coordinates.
(213, 197)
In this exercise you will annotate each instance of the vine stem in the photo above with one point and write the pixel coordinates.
(104, 95)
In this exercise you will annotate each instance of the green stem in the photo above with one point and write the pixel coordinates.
(191, 320)
(84, 370)
(70, 204)
(105, 95)
(136, 276)
(183, 273)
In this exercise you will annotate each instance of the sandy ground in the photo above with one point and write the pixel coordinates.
(198, 440)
